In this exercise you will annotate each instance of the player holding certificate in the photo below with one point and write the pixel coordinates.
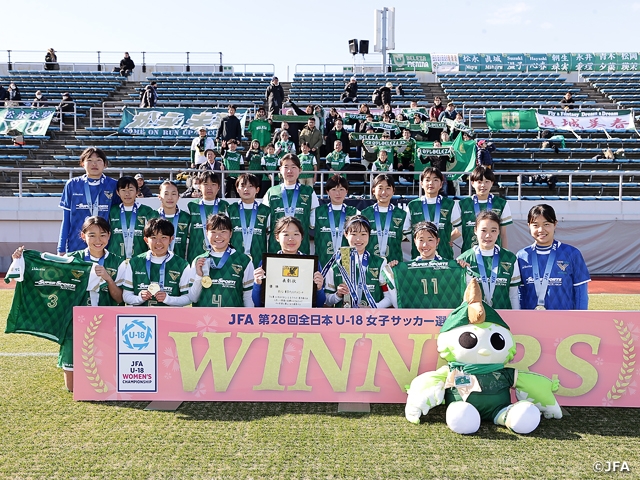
(554, 274)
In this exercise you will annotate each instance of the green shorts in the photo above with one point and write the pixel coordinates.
(65, 356)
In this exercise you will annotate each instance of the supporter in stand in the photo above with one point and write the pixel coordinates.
(366, 123)
(387, 110)
(149, 96)
(232, 160)
(338, 133)
(143, 189)
(12, 97)
(484, 154)
(406, 156)
(567, 101)
(126, 65)
(212, 162)
(260, 128)
(350, 93)
(331, 119)
(51, 60)
(436, 109)
(284, 145)
(274, 96)
(385, 93)
(230, 127)
(312, 136)
(364, 109)
(199, 146)
(64, 108)
(193, 190)
(338, 159)
(40, 101)
(449, 113)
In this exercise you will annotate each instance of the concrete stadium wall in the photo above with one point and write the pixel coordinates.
(607, 233)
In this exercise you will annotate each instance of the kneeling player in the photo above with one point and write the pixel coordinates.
(157, 277)
(223, 275)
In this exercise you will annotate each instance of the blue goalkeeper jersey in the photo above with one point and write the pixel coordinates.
(567, 279)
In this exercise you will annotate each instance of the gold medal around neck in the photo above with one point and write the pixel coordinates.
(154, 288)
(206, 281)
(540, 307)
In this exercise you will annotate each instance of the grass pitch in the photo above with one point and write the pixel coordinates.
(45, 434)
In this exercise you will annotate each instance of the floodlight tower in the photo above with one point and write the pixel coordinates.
(384, 24)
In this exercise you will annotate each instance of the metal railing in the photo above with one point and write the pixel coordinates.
(365, 177)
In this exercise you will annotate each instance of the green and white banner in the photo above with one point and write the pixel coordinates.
(356, 136)
(27, 121)
(423, 152)
(531, 119)
(174, 122)
(410, 62)
(465, 157)
(386, 143)
(511, 119)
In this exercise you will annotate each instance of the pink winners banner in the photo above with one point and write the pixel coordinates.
(330, 355)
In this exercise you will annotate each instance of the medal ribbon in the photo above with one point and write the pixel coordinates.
(247, 233)
(203, 219)
(542, 285)
(175, 225)
(290, 211)
(488, 285)
(383, 235)
(128, 231)
(94, 206)
(162, 268)
(436, 216)
(221, 262)
(476, 204)
(87, 258)
(336, 234)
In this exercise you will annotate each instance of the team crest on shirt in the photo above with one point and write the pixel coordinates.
(506, 265)
(444, 212)
(142, 220)
(562, 265)
(304, 198)
(174, 275)
(374, 272)
(108, 194)
(261, 218)
(182, 226)
(77, 273)
(236, 268)
(397, 221)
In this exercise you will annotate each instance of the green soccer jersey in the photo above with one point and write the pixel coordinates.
(181, 232)
(394, 243)
(434, 283)
(254, 160)
(468, 218)
(282, 148)
(505, 279)
(409, 151)
(44, 298)
(379, 166)
(416, 215)
(258, 237)
(112, 263)
(271, 164)
(117, 244)
(322, 239)
(227, 285)
(306, 163)
(197, 244)
(261, 131)
(232, 161)
(303, 210)
(372, 280)
(140, 280)
(336, 160)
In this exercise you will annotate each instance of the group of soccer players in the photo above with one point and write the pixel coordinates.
(211, 254)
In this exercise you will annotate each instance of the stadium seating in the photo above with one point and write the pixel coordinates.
(620, 87)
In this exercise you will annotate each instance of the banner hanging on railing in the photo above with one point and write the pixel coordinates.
(174, 122)
(27, 121)
(498, 120)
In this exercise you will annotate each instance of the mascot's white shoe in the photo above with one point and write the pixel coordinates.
(463, 418)
(522, 417)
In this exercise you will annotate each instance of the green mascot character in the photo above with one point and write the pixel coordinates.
(475, 384)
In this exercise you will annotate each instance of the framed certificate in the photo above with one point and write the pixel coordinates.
(289, 280)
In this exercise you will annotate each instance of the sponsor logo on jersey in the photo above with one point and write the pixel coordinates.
(236, 268)
(59, 284)
(224, 283)
(77, 273)
(432, 264)
(37, 269)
